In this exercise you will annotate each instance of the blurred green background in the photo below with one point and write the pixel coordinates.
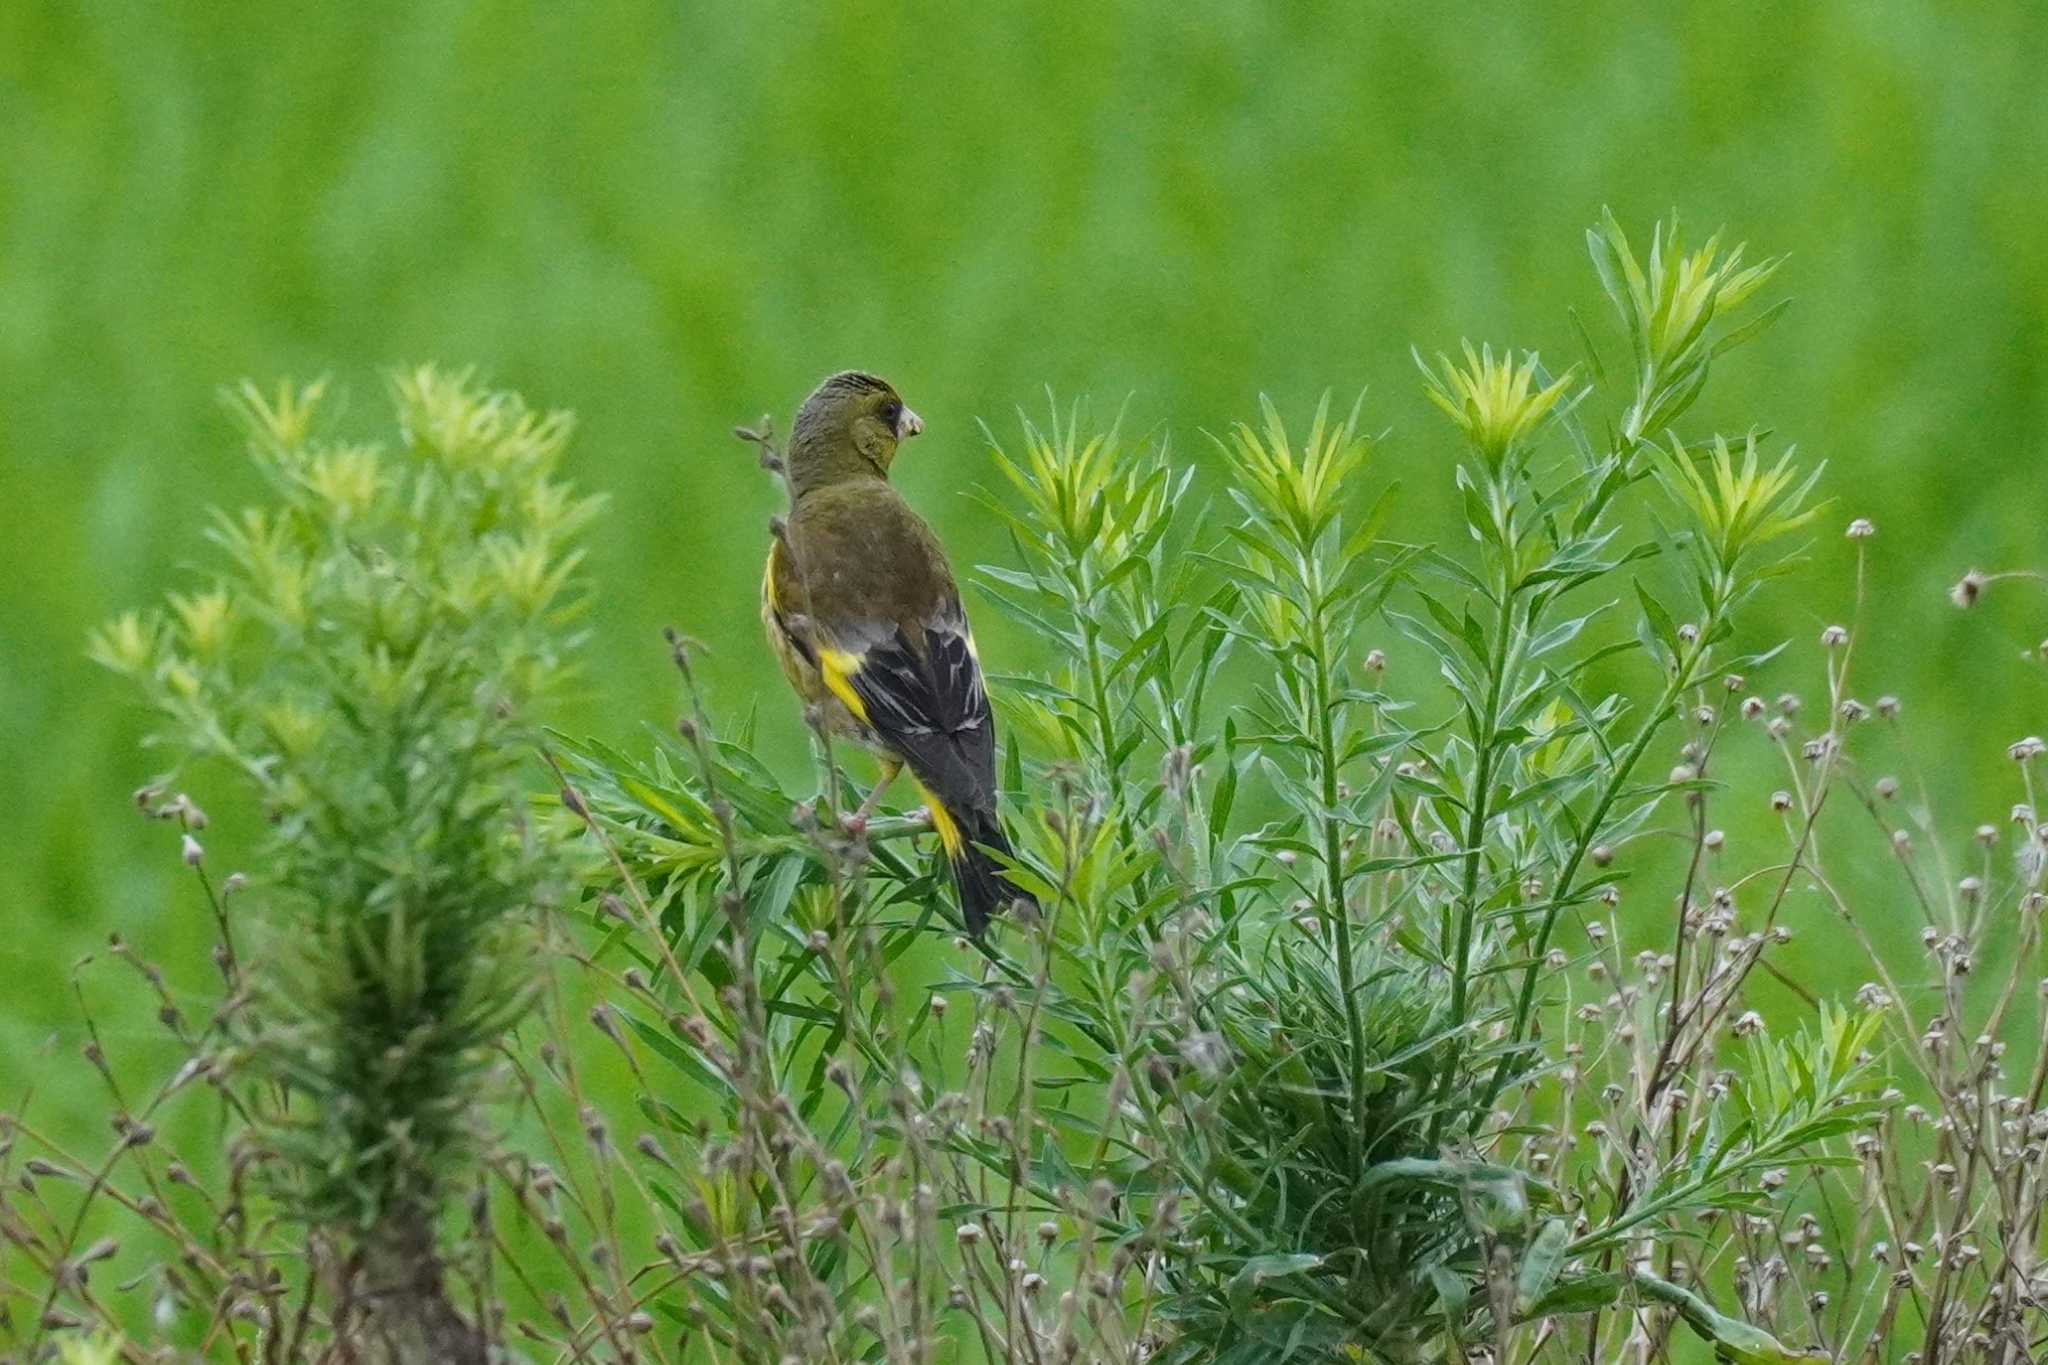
(671, 218)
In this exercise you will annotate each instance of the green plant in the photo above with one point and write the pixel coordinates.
(1389, 995)
(369, 668)
(1293, 949)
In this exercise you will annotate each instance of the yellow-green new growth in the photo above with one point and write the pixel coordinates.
(1738, 508)
(1081, 486)
(1674, 295)
(98, 1347)
(1494, 401)
(1298, 491)
(127, 644)
(1302, 485)
(1669, 305)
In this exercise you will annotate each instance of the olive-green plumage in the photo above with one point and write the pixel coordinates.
(861, 608)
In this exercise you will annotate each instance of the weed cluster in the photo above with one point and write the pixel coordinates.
(1393, 991)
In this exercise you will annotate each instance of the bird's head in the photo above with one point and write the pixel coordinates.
(848, 428)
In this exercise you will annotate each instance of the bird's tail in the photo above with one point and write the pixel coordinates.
(984, 890)
(970, 833)
(969, 843)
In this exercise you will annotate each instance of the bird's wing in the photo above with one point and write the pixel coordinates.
(919, 688)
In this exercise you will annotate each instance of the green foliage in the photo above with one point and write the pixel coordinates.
(1669, 305)
(1287, 982)
(1492, 402)
(192, 191)
(369, 666)
(1737, 509)
(1321, 1042)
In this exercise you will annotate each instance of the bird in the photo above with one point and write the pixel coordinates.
(863, 613)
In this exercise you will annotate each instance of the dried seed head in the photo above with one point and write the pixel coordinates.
(1715, 838)
(1968, 589)
(1860, 529)
(1834, 637)
(190, 851)
(1375, 661)
(1781, 800)
(1887, 787)
(1752, 707)
(1987, 835)
(2029, 748)
(1888, 706)
(967, 1234)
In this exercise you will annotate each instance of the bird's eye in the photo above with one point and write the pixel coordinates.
(891, 410)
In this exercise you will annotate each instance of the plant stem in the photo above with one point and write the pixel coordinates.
(1525, 1001)
(1336, 908)
(1098, 689)
(1475, 826)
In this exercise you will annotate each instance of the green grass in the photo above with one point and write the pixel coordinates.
(671, 219)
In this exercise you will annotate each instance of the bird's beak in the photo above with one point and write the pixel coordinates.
(908, 425)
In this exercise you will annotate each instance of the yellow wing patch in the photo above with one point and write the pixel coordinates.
(837, 668)
(942, 821)
(771, 581)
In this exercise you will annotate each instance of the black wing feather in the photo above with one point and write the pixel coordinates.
(930, 707)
